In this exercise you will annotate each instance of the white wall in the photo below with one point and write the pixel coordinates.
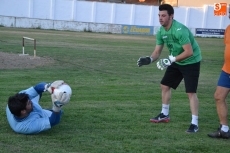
(108, 13)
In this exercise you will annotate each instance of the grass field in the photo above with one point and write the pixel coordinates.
(112, 99)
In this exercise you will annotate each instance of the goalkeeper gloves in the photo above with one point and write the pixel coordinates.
(164, 63)
(51, 86)
(144, 61)
(58, 100)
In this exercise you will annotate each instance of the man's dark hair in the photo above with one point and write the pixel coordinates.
(166, 7)
(17, 103)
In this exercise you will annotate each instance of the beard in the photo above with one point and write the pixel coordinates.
(165, 23)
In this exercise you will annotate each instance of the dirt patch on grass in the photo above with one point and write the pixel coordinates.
(15, 61)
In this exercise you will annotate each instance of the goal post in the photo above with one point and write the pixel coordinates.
(23, 45)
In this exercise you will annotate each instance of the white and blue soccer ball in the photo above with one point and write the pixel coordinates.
(63, 88)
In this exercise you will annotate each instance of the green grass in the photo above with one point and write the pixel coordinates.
(112, 99)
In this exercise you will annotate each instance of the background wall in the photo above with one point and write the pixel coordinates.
(72, 13)
(200, 3)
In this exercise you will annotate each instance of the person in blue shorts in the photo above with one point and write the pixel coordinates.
(26, 116)
(223, 90)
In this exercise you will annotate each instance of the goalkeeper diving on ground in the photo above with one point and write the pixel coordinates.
(26, 116)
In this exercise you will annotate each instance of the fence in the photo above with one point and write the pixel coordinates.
(105, 17)
(109, 13)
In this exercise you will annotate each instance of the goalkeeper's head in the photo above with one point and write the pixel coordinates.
(20, 105)
(167, 7)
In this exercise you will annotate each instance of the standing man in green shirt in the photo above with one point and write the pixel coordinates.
(183, 63)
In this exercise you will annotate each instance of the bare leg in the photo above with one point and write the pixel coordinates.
(164, 115)
(221, 105)
(222, 111)
(194, 103)
(166, 94)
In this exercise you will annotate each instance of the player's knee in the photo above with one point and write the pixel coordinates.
(165, 88)
(217, 97)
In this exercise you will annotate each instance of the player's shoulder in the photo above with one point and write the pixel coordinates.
(160, 31)
(178, 27)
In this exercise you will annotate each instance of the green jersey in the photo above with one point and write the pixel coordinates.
(177, 36)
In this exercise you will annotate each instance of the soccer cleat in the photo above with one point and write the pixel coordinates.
(160, 118)
(220, 134)
(192, 128)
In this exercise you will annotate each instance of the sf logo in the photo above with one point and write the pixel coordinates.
(220, 9)
(217, 6)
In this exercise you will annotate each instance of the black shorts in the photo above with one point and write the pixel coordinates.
(175, 73)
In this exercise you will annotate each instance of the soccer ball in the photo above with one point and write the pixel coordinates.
(63, 88)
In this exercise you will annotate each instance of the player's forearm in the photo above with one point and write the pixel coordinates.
(157, 52)
(188, 51)
(184, 55)
(55, 118)
(40, 87)
(155, 55)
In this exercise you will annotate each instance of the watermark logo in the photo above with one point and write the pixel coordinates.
(220, 9)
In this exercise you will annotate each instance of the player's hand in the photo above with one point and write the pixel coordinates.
(164, 63)
(51, 86)
(144, 61)
(58, 100)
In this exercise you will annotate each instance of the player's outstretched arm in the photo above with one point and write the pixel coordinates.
(40, 87)
(149, 59)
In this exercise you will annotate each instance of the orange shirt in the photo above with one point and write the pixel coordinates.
(226, 67)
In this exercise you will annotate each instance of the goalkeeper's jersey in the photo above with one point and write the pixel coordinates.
(226, 66)
(37, 121)
(177, 36)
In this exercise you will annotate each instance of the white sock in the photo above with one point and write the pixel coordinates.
(194, 120)
(165, 109)
(224, 128)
